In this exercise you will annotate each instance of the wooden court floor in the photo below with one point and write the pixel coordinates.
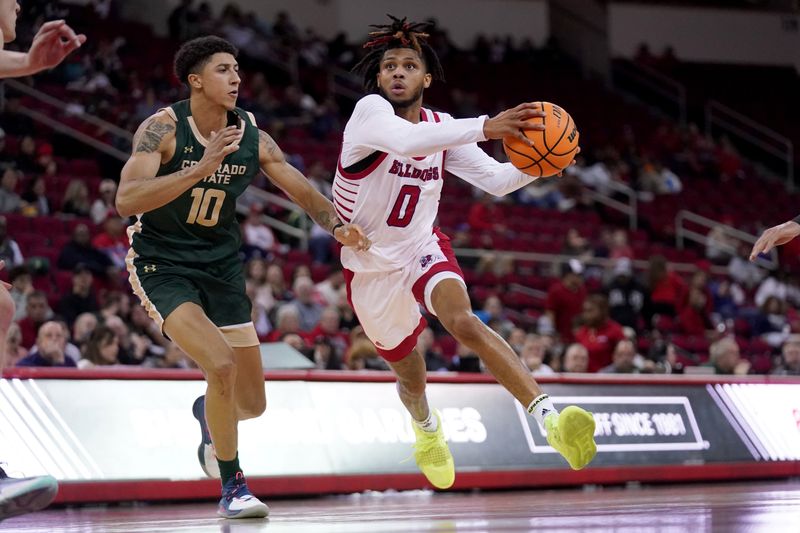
(772, 507)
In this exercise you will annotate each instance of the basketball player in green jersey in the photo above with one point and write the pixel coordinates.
(190, 162)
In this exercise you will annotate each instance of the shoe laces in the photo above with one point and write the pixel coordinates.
(236, 488)
(431, 450)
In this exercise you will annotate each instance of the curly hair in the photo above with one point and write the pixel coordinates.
(398, 34)
(193, 55)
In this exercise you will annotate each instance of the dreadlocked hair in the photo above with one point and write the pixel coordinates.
(398, 34)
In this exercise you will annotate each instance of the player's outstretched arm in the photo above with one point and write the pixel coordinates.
(294, 184)
(775, 236)
(54, 41)
(375, 125)
(140, 190)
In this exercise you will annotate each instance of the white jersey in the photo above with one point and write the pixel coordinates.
(390, 174)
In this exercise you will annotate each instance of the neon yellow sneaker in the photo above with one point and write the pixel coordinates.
(433, 456)
(571, 433)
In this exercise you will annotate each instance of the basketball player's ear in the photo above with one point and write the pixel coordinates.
(426, 81)
(194, 81)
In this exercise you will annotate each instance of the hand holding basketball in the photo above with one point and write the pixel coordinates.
(512, 122)
(545, 150)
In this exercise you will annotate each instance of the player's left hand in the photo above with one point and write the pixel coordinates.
(572, 163)
(352, 235)
(54, 41)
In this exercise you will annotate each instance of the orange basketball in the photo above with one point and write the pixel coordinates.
(553, 149)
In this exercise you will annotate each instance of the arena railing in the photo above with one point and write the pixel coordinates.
(630, 207)
(651, 87)
(684, 233)
(255, 196)
(721, 118)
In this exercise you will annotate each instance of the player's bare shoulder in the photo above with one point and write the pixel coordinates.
(268, 149)
(156, 134)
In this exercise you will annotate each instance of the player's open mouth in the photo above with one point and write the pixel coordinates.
(235, 94)
(397, 88)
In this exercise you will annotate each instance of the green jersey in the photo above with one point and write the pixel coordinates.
(199, 226)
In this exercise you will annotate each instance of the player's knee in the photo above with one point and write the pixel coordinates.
(463, 326)
(253, 406)
(222, 373)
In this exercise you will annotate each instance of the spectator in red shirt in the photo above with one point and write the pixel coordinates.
(599, 334)
(485, 215)
(287, 321)
(695, 318)
(113, 241)
(328, 328)
(38, 312)
(699, 282)
(565, 299)
(666, 288)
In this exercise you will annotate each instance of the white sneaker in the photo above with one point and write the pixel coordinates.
(238, 502)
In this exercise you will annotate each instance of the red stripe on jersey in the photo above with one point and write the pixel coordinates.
(436, 116)
(339, 185)
(335, 201)
(364, 173)
(340, 197)
(341, 215)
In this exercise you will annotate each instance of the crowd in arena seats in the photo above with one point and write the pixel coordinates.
(65, 246)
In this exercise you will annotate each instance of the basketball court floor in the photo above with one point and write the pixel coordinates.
(773, 507)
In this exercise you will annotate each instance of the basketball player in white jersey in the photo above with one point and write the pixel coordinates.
(389, 181)
(53, 42)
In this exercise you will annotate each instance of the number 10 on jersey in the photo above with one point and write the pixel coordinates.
(206, 205)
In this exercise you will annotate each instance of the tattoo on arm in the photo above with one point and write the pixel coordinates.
(266, 143)
(150, 139)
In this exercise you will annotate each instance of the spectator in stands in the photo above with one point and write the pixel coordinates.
(35, 199)
(720, 248)
(619, 245)
(743, 271)
(725, 358)
(309, 310)
(14, 350)
(104, 206)
(666, 288)
(80, 298)
(26, 158)
(533, 354)
(127, 354)
(493, 314)
(10, 201)
(277, 284)
(599, 334)
(325, 356)
(115, 304)
(363, 356)
(37, 313)
(728, 297)
(76, 199)
(789, 364)
(320, 245)
(576, 245)
(256, 276)
(258, 234)
(565, 299)
(101, 350)
(141, 324)
(328, 289)
(180, 20)
(287, 321)
(486, 215)
(328, 328)
(79, 250)
(465, 360)
(516, 338)
(655, 178)
(576, 358)
(171, 357)
(21, 286)
(9, 249)
(51, 344)
(777, 284)
(113, 241)
(82, 329)
(694, 318)
(623, 359)
(772, 324)
(434, 360)
(627, 298)
(349, 320)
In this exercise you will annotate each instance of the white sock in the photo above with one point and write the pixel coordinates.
(430, 424)
(541, 407)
